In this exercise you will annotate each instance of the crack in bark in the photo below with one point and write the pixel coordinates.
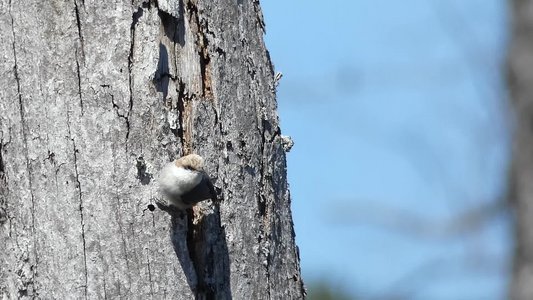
(79, 80)
(105, 289)
(3, 176)
(82, 222)
(4, 217)
(26, 154)
(181, 110)
(78, 24)
(184, 110)
(134, 20)
(2, 166)
(150, 277)
(80, 37)
(202, 43)
(125, 117)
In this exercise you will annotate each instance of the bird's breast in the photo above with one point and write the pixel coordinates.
(177, 181)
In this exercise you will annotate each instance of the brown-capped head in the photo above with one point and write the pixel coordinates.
(191, 162)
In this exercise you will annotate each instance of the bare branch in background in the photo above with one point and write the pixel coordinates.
(413, 224)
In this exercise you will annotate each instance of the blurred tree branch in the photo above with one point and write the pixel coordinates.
(412, 224)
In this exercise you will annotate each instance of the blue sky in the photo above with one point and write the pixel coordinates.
(406, 100)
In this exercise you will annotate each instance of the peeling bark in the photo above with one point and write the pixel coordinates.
(95, 101)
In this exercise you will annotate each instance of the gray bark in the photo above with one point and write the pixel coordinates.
(521, 175)
(95, 99)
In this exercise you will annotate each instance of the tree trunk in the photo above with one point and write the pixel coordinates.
(95, 99)
(521, 177)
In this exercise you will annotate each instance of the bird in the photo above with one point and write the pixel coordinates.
(184, 183)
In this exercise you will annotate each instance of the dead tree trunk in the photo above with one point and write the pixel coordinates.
(95, 98)
(521, 177)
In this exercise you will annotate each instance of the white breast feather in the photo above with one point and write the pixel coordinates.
(178, 181)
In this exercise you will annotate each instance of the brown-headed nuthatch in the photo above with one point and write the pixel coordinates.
(184, 182)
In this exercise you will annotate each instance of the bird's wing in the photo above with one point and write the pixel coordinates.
(202, 191)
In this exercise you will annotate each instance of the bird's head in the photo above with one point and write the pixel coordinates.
(191, 162)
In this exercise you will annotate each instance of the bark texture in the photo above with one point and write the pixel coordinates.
(96, 97)
(521, 177)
